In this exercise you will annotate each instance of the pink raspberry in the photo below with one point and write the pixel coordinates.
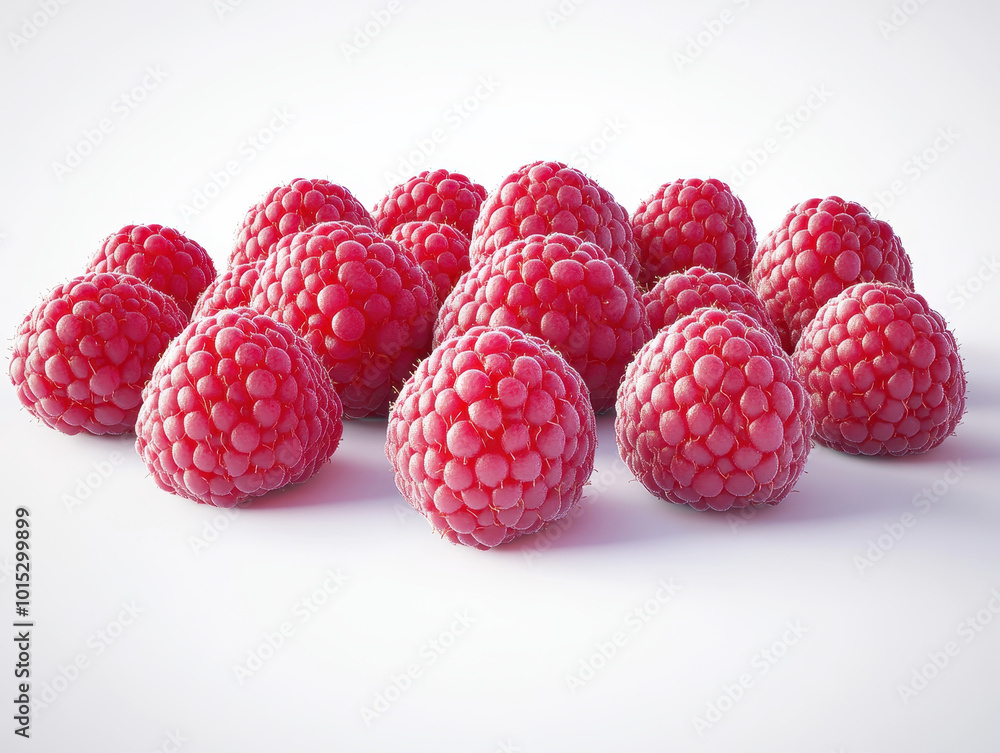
(693, 222)
(564, 290)
(291, 208)
(883, 372)
(441, 250)
(712, 415)
(436, 196)
(550, 197)
(230, 290)
(82, 356)
(361, 301)
(492, 437)
(238, 406)
(161, 257)
(822, 247)
(679, 294)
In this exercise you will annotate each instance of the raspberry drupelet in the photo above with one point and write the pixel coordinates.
(230, 290)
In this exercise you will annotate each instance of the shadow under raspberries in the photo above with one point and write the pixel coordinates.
(353, 474)
(835, 486)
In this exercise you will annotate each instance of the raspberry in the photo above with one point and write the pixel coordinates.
(362, 302)
(822, 247)
(229, 290)
(564, 290)
(436, 196)
(159, 256)
(238, 406)
(711, 414)
(492, 437)
(82, 356)
(441, 250)
(883, 372)
(549, 197)
(290, 208)
(693, 222)
(681, 293)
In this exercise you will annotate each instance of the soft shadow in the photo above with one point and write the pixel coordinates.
(355, 473)
(834, 486)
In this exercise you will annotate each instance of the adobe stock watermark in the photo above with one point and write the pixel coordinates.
(223, 8)
(6, 569)
(964, 292)
(31, 25)
(213, 184)
(367, 32)
(120, 109)
(923, 502)
(915, 168)
(711, 30)
(784, 129)
(213, 528)
(899, 16)
(599, 482)
(761, 663)
(740, 517)
(939, 659)
(95, 645)
(633, 623)
(453, 118)
(301, 612)
(86, 486)
(585, 155)
(561, 13)
(173, 741)
(429, 653)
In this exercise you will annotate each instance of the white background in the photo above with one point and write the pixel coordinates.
(601, 86)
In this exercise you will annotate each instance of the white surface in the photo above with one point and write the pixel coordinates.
(535, 613)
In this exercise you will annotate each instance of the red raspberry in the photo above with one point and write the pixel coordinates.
(82, 356)
(564, 290)
(441, 250)
(822, 247)
(681, 293)
(230, 290)
(362, 302)
(238, 406)
(290, 208)
(436, 196)
(159, 256)
(693, 222)
(711, 414)
(492, 437)
(883, 372)
(549, 197)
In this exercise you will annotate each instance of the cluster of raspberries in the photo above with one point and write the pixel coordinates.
(491, 330)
